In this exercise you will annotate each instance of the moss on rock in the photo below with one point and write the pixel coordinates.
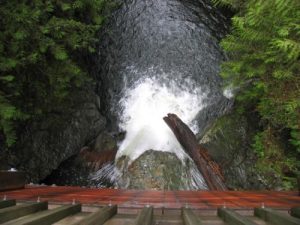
(156, 170)
(228, 141)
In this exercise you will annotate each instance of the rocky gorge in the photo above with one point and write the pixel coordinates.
(154, 58)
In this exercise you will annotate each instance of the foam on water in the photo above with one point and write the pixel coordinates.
(144, 106)
(107, 172)
(229, 92)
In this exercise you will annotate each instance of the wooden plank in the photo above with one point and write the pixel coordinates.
(190, 218)
(233, 218)
(7, 203)
(295, 212)
(243, 199)
(11, 180)
(145, 216)
(15, 212)
(99, 217)
(47, 217)
(187, 139)
(275, 217)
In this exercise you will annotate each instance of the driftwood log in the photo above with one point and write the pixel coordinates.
(209, 169)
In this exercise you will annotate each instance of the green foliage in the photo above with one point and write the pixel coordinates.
(264, 52)
(273, 162)
(234, 4)
(42, 44)
(295, 139)
(258, 145)
(8, 113)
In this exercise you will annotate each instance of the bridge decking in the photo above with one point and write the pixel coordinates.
(158, 199)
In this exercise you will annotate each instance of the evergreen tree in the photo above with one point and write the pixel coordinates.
(264, 52)
(41, 44)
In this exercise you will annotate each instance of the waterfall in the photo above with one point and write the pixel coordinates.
(160, 57)
(144, 106)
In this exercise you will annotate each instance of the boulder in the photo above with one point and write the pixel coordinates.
(78, 170)
(45, 144)
(157, 170)
(228, 141)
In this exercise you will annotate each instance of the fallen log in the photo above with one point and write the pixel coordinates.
(209, 169)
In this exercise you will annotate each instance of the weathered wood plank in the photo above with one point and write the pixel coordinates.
(145, 217)
(233, 218)
(99, 217)
(7, 203)
(275, 217)
(14, 212)
(295, 212)
(47, 217)
(11, 180)
(190, 218)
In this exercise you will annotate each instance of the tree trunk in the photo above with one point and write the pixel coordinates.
(209, 169)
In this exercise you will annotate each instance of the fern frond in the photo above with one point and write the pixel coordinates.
(289, 47)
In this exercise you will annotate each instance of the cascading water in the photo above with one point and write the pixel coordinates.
(146, 103)
(159, 57)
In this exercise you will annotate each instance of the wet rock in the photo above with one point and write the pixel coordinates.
(157, 170)
(104, 142)
(4, 164)
(77, 170)
(228, 141)
(206, 117)
(45, 144)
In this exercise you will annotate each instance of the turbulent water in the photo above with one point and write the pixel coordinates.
(159, 57)
(145, 104)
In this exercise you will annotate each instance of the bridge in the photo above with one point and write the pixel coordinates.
(77, 205)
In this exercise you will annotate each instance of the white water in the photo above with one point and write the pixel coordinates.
(107, 172)
(145, 105)
(229, 92)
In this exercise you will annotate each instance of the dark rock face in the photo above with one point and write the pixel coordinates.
(207, 116)
(104, 142)
(4, 165)
(228, 142)
(45, 144)
(156, 170)
(77, 170)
